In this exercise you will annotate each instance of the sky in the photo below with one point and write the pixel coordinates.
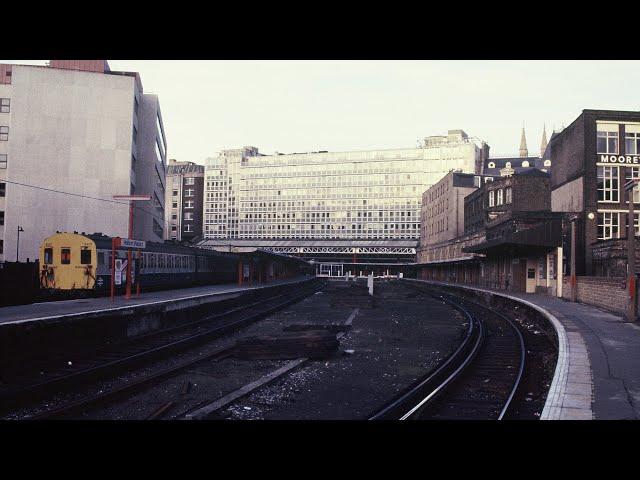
(300, 106)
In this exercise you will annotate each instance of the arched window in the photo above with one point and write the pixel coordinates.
(525, 163)
(547, 163)
(508, 165)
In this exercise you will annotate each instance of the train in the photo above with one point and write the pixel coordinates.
(78, 264)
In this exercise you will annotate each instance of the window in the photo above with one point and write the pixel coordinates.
(1, 217)
(507, 165)
(491, 198)
(607, 141)
(3, 189)
(190, 181)
(4, 133)
(633, 173)
(508, 194)
(1, 245)
(188, 204)
(636, 224)
(48, 256)
(85, 256)
(3, 161)
(491, 165)
(608, 225)
(608, 184)
(5, 105)
(158, 152)
(500, 194)
(174, 205)
(547, 163)
(188, 216)
(189, 192)
(525, 163)
(65, 256)
(632, 139)
(188, 228)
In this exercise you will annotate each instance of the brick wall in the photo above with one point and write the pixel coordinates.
(609, 293)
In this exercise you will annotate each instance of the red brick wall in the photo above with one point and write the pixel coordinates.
(609, 293)
(5, 74)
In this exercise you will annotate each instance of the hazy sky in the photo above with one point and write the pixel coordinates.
(298, 106)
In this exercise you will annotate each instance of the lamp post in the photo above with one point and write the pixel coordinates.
(631, 254)
(20, 229)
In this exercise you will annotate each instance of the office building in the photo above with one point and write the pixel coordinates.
(77, 127)
(184, 201)
(334, 206)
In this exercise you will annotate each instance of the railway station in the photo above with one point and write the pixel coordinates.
(437, 282)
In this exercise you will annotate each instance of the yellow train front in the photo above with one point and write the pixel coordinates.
(79, 265)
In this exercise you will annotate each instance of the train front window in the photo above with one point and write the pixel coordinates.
(65, 256)
(85, 257)
(48, 256)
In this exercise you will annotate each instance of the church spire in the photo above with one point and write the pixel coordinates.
(523, 144)
(543, 144)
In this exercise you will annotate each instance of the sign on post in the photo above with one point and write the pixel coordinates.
(130, 243)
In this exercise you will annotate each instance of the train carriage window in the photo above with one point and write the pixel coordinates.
(85, 256)
(65, 256)
(48, 255)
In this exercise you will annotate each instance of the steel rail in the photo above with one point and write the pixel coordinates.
(113, 366)
(476, 331)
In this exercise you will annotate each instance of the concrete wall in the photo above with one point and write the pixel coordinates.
(609, 293)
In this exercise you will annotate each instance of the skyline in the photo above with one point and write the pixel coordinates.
(301, 106)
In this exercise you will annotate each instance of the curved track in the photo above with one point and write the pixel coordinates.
(478, 381)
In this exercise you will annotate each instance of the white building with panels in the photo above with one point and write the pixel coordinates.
(82, 129)
(329, 196)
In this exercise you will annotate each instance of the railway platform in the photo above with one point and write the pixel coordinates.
(598, 372)
(52, 311)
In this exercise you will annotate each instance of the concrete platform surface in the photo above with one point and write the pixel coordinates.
(602, 356)
(49, 310)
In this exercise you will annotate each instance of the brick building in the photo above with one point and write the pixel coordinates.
(592, 158)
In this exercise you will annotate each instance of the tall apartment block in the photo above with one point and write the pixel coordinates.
(72, 135)
(184, 201)
(324, 199)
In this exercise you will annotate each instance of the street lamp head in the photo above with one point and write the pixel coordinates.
(20, 229)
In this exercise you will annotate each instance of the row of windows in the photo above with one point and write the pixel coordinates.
(609, 225)
(608, 139)
(609, 183)
(65, 256)
(500, 197)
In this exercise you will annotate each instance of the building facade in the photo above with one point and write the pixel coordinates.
(184, 201)
(592, 159)
(443, 218)
(72, 135)
(328, 197)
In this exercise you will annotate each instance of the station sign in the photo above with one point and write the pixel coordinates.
(129, 243)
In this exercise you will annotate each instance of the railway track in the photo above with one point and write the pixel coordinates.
(142, 351)
(478, 381)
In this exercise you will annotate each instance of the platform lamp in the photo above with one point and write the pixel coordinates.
(20, 229)
(630, 314)
(131, 199)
